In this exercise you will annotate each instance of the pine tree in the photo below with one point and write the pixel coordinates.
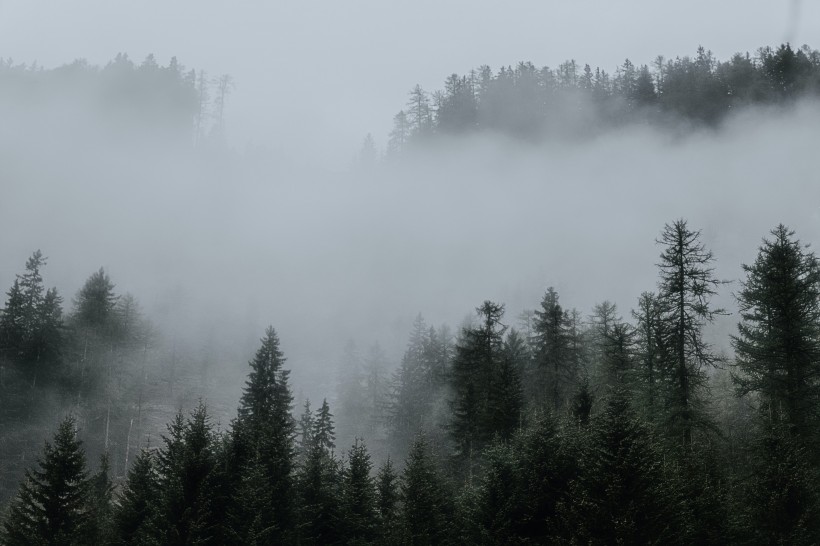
(51, 507)
(686, 285)
(778, 341)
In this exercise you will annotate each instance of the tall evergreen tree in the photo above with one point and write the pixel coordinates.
(136, 501)
(551, 346)
(51, 507)
(621, 496)
(778, 341)
(476, 366)
(267, 429)
(95, 301)
(185, 465)
(425, 507)
(387, 503)
(359, 497)
(686, 285)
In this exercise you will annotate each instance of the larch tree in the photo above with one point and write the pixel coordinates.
(687, 283)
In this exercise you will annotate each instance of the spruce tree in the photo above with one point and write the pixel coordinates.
(358, 497)
(185, 466)
(425, 507)
(555, 375)
(100, 496)
(94, 303)
(319, 497)
(778, 341)
(387, 502)
(621, 496)
(52, 504)
(324, 434)
(137, 501)
(265, 431)
(476, 367)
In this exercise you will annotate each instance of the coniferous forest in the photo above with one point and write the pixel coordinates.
(617, 424)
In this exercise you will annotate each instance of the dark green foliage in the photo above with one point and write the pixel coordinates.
(324, 435)
(387, 503)
(583, 402)
(136, 501)
(505, 397)
(425, 506)
(31, 325)
(620, 496)
(305, 429)
(778, 341)
(782, 504)
(477, 366)
(555, 371)
(263, 436)
(529, 102)
(100, 495)
(185, 467)
(650, 352)
(418, 383)
(545, 465)
(52, 505)
(358, 497)
(320, 499)
(95, 301)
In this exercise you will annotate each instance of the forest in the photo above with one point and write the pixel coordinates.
(555, 425)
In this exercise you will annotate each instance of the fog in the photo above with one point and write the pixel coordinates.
(220, 245)
(282, 225)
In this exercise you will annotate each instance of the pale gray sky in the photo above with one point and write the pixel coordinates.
(312, 78)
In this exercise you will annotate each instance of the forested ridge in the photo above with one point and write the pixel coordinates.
(575, 101)
(564, 428)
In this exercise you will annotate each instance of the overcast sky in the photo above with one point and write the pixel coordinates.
(312, 78)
